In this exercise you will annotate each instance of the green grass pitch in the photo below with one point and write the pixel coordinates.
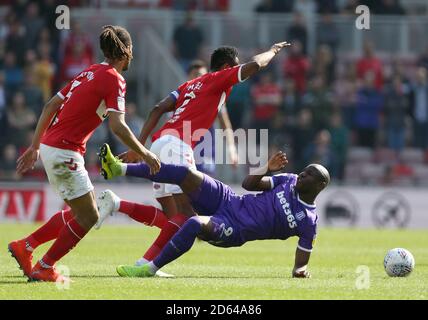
(259, 270)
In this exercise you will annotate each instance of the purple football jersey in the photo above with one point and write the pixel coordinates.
(276, 214)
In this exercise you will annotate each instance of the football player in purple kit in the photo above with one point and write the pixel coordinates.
(285, 208)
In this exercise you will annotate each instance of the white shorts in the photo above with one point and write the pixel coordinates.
(66, 172)
(171, 150)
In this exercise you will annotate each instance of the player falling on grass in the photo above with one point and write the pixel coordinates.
(65, 125)
(196, 104)
(285, 208)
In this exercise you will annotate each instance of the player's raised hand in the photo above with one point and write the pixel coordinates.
(130, 157)
(152, 161)
(27, 160)
(278, 46)
(277, 162)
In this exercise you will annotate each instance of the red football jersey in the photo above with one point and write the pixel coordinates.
(87, 100)
(197, 103)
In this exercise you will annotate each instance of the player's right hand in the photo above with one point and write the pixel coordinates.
(278, 46)
(152, 161)
(277, 162)
(27, 160)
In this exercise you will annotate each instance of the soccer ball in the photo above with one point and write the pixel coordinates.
(398, 262)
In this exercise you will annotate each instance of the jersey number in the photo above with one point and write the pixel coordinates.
(187, 97)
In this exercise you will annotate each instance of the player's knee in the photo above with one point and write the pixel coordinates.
(193, 225)
(88, 218)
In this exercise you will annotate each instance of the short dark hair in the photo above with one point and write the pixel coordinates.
(115, 42)
(223, 55)
(196, 64)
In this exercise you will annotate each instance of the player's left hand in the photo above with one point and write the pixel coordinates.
(27, 160)
(277, 161)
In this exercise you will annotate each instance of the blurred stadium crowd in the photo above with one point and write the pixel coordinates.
(364, 117)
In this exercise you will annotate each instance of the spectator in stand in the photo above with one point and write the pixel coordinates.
(296, 67)
(367, 114)
(20, 120)
(323, 64)
(395, 110)
(215, 5)
(13, 74)
(320, 151)
(291, 104)
(345, 93)
(339, 145)
(44, 70)
(327, 6)
(275, 6)
(32, 93)
(423, 59)
(74, 62)
(77, 37)
(16, 41)
(33, 24)
(298, 31)
(8, 163)
(2, 92)
(419, 109)
(267, 97)
(238, 105)
(188, 39)
(327, 33)
(319, 100)
(302, 135)
(350, 7)
(391, 7)
(370, 63)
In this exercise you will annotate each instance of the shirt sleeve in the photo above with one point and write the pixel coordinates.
(307, 237)
(278, 179)
(224, 79)
(115, 94)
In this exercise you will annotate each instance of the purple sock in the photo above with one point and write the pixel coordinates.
(168, 173)
(179, 244)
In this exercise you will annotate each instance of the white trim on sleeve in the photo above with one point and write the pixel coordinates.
(175, 94)
(271, 183)
(59, 94)
(239, 74)
(304, 249)
(114, 110)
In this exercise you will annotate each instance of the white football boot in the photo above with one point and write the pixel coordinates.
(108, 203)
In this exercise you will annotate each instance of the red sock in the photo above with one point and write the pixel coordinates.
(168, 230)
(148, 215)
(67, 239)
(50, 229)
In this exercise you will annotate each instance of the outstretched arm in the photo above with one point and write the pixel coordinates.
(301, 264)
(164, 106)
(259, 182)
(30, 156)
(261, 60)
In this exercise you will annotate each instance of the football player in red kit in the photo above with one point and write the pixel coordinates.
(65, 125)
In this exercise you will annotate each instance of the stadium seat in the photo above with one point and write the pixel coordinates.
(360, 155)
(412, 156)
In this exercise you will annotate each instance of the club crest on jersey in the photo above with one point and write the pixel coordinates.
(300, 216)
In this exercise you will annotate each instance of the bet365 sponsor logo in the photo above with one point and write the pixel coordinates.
(286, 208)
